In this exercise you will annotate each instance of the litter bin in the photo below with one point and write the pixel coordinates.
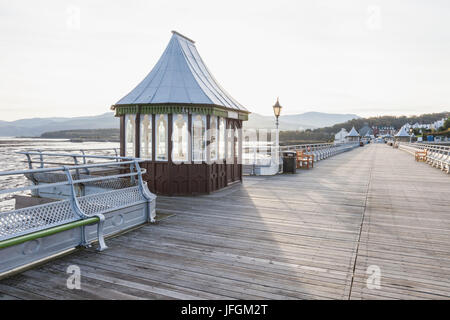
(289, 162)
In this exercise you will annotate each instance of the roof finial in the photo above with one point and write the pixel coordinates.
(183, 36)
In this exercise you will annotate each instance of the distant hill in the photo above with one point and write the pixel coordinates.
(34, 127)
(111, 135)
(302, 121)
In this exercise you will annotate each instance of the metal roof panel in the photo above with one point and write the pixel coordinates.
(180, 76)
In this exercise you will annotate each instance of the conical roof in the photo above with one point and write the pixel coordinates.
(180, 76)
(353, 133)
(402, 132)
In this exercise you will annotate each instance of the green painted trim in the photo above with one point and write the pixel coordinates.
(47, 232)
(220, 113)
(126, 110)
(243, 116)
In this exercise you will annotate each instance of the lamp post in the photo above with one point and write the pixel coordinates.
(411, 130)
(277, 110)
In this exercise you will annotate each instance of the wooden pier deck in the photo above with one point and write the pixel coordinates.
(306, 236)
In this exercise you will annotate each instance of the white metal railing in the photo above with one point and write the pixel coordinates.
(69, 176)
(114, 201)
(437, 155)
(67, 158)
(266, 154)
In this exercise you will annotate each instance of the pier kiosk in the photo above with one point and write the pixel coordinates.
(402, 135)
(184, 124)
(353, 136)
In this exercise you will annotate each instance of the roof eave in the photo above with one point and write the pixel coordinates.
(114, 106)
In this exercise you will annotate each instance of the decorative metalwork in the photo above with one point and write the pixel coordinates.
(125, 192)
(53, 177)
(27, 220)
(106, 201)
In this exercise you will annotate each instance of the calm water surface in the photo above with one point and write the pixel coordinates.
(10, 160)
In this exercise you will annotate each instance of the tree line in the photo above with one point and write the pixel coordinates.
(326, 134)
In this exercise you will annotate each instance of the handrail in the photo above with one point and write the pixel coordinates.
(74, 156)
(435, 155)
(116, 150)
(47, 232)
(422, 146)
(257, 154)
(71, 155)
(65, 183)
(91, 165)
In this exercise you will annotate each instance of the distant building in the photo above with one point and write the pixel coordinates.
(366, 131)
(340, 137)
(437, 124)
(384, 130)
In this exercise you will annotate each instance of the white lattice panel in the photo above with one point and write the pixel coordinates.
(27, 220)
(113, 183)
(102, 202)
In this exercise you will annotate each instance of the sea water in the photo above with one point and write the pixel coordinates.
(11, 160)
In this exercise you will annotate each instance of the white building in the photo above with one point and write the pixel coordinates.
(437, 124)
(340, 136)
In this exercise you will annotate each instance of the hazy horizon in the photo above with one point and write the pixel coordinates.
(370, 58)
(263, 114)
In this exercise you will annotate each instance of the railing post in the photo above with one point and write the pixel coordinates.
(30, 163)
(41, 158)
(84, 160)
(77, 171)
(254, 161)
(83, 155)
(77, 209)
(132, 167)
(149, 197)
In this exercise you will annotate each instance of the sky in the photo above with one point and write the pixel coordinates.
(75, 58)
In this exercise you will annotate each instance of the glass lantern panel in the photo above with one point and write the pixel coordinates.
(230, 141)
(198, 137)
(180, 138)
(161, 143)
(146, 136)
(236, 141)
(222, 136)
(130, 134)
(213, 138)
